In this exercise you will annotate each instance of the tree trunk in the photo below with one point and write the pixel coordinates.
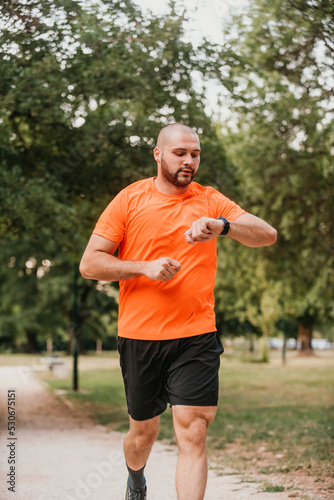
(251, 346)
(49, 346)
(264, 346)
(81, 348)
(81, 307)
(99, 346)
(305, 331)
(70, 339)
(32, 343)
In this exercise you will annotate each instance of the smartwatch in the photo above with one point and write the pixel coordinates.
(226, 226)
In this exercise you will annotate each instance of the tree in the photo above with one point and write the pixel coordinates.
(281, 142)
(85, 89)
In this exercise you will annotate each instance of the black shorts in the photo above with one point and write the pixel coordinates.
(180, 372)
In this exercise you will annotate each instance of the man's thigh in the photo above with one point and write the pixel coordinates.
(193, 377)
(143, 376)
(191, 423)
(181, 371)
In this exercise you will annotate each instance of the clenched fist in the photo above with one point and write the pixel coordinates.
(204, 229)
(163, 269)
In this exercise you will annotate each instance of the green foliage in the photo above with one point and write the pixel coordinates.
(85, 89)
(85, 92)
(281, 141)
(37, 300)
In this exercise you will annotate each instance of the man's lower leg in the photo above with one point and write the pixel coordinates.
(137, 447)
(191, 476)
(139, 441)
(191, 424)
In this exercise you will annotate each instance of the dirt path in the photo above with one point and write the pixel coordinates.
(61, 454)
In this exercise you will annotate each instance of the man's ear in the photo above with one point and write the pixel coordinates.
(157, 154)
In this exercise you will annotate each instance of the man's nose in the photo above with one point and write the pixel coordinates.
(188, 160)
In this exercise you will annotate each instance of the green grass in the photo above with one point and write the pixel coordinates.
(273, 489)
(287, 410)
(271, 418)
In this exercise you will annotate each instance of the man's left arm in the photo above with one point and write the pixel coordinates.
(247, 229)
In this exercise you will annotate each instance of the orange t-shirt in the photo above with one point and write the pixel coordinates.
(149, 225)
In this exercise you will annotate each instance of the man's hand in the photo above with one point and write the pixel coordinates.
(247, 229)
(163, 269)
(204, 229)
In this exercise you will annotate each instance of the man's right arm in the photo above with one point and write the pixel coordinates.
(99, 263)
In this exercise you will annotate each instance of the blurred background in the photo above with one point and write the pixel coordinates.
(85, 87)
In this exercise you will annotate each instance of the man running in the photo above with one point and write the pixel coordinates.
(165, 228)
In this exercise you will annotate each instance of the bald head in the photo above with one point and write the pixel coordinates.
(177, 154)
(170, 132)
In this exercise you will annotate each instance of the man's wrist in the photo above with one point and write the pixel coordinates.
(142, 268)
(226, 226)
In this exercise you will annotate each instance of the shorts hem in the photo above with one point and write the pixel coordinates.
(143, 419)
(192, 403)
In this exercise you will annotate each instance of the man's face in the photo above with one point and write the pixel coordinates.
(179, 159)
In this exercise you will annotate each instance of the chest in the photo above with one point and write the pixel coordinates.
(173, 215)
(156, 227)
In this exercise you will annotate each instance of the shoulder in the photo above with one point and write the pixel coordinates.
(138, 186)
(217, 203)
(131, 192)
(135, 190)
(206, 191)
(141, 185)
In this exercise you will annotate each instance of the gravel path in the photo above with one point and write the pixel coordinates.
(62, 455)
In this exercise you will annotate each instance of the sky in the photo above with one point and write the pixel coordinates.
(207, 15)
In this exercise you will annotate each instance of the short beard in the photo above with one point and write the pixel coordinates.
(173, 178)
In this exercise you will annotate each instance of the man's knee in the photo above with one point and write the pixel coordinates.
(143, 440)
(191, 426)
(143, 434)
(184, 416)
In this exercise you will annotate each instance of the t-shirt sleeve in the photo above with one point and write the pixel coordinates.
(112, 222)
(220, 205)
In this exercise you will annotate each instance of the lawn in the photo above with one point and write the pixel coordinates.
(282, 418)
(271, 418)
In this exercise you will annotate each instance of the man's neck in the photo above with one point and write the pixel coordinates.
(166, 187)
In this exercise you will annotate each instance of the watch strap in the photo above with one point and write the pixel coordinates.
(226, 227)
